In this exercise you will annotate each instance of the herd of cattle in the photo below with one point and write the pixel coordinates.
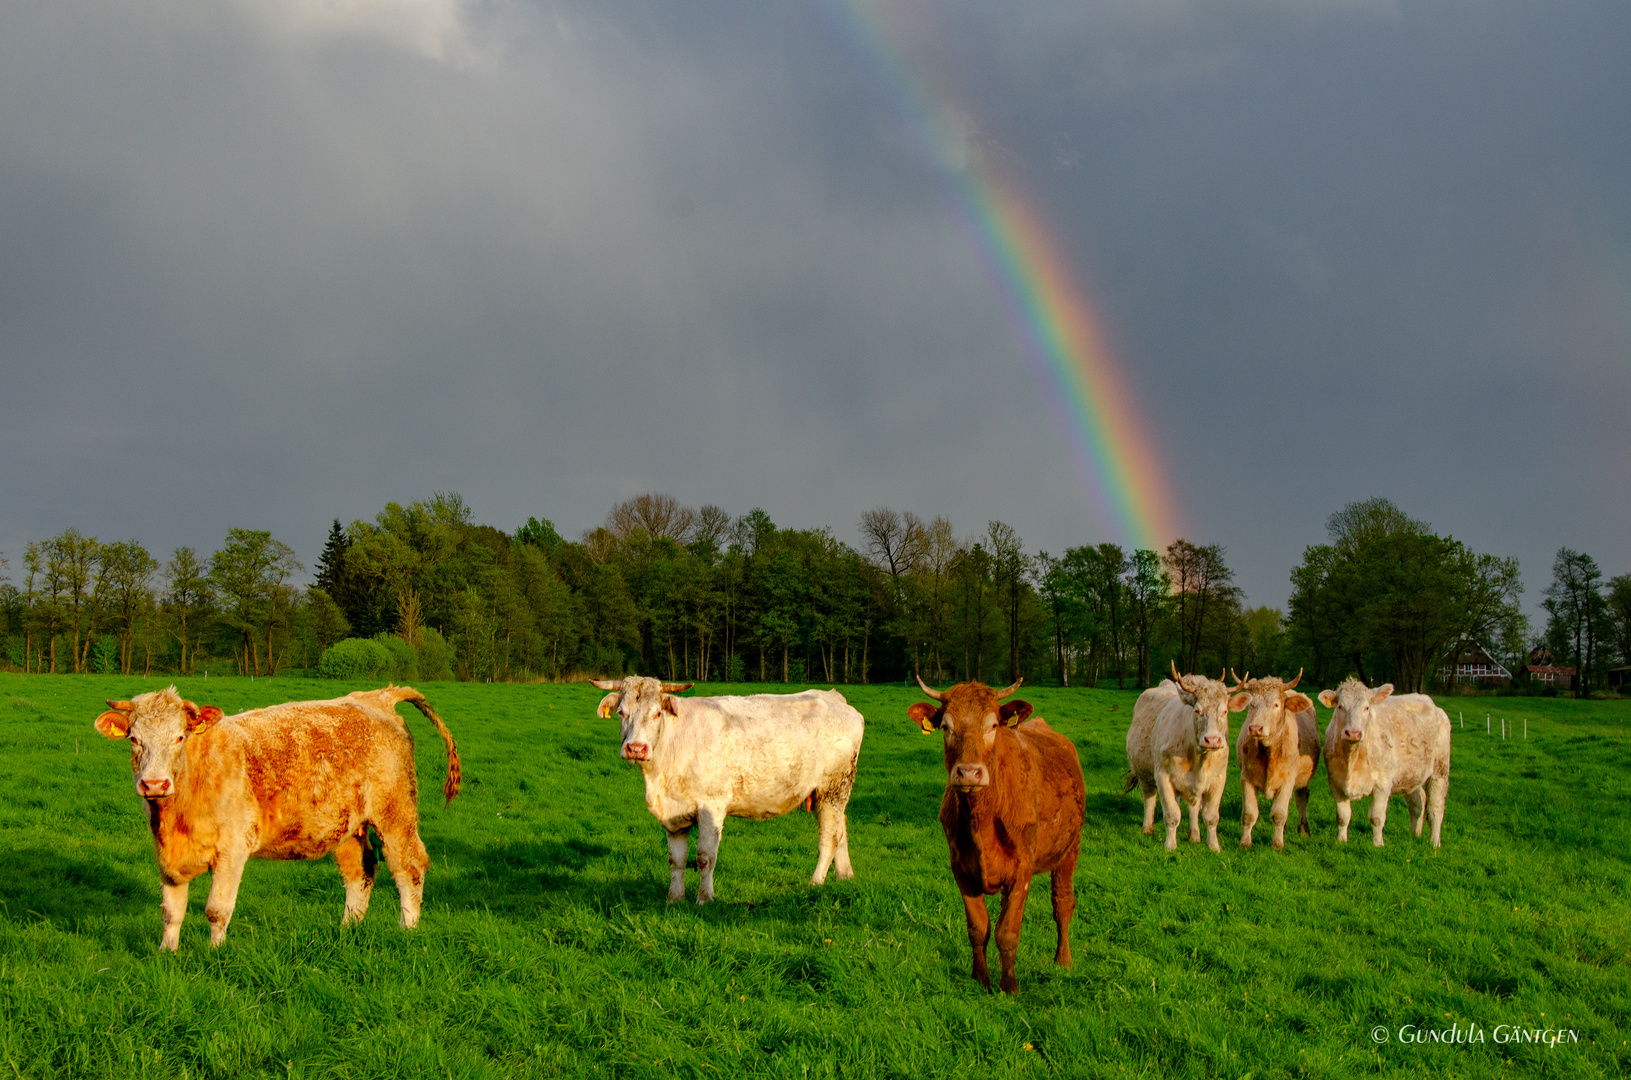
(300, 780)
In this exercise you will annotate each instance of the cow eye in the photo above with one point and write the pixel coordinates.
(180, 737)
(134, 741)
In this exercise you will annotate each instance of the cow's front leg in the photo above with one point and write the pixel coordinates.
(979, 932)
(710, 822)
(1248, 811)
(1378, 811)
(679, 846)
(1214, 801)
(1279, 814)
(173, 908)
(1170, 811)
(1345, 809)
(1008, 925)
(224, 878)
(1195, 817)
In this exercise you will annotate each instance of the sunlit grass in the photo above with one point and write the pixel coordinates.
(547, 947)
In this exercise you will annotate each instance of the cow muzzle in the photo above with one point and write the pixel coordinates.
(636, 751)
(1257, 731)
(1353, 734)
(154, 789)
(1212, 742)
(970, 777)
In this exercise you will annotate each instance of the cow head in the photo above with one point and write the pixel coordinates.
(1271, 702)
(1210, 703)
(969, 714)
(1353, 702)
(641, 705)
(157, 725)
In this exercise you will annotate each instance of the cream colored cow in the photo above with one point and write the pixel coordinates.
(1178, 749)
(1383, 744)
(1278, 750)
(709, 758)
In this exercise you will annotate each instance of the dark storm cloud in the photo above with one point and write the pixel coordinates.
(268, 264)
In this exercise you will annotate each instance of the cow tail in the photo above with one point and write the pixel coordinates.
(1128, 782)
(451, 787)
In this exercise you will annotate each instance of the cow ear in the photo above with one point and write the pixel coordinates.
(200, 717)
(607, 704)
(115, 723)
(1298, 703)
(1328, 698)
(1380, 694)
(1239, 701)
(926, 715)
(1016, 712)
(668, 705)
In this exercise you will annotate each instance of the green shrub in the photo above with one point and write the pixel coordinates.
(435, 657)
(404, 662)
(105, 656)
(356, 658)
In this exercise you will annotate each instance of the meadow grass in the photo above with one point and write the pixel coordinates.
(547, 947)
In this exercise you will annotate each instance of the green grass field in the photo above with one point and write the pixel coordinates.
(547, 947)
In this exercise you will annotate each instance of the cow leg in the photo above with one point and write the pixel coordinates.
(173, 908)
(1302, 812)
(1416, 803)
(1345, 809)
(1195, 818)
(1214, 801)
(225, 875)
(710, 823)
(355, 858)
(1437, 789)
(679, 846)
(1008, 926)
(406, 856)
(1278, 815)
(1170, 811)
(979, 932)
(834, 841)
(1064, 906)
(1378, 812)
(1248, 811)
(1150, 794)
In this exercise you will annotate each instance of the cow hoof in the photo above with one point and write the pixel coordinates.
(1279, 845)
(1245, 841)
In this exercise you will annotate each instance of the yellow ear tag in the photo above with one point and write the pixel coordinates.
(928, 729)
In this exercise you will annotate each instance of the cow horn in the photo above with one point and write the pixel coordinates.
(677, 687)
(1295, 681)
(120, 706)
(1177, 678)
(937, 695)
(1004, 693)
(1239, 682)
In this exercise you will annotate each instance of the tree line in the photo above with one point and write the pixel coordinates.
(697, 594)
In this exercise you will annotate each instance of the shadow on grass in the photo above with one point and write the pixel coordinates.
(64, 887)
(520, 875)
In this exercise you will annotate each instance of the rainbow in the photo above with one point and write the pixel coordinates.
(1064, 339)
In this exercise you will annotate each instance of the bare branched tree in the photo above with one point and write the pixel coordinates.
(659, 516)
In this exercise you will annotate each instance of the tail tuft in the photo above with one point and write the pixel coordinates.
(1128, 782)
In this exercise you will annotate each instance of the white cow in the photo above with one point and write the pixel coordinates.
(1178, 748)
(1383, 744)
(706, 759)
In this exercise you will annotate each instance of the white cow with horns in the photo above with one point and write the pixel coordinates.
(709, 758)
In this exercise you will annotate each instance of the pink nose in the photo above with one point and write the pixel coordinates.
(1212, 742)
(970, 776)
(637, 751)
(153, 789)
(1353, 734)
(1257, 730)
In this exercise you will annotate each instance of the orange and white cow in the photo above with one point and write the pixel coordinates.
(708, 758)
(1278, 750)
(293, 781)
(1383, 744)
(1178, 749)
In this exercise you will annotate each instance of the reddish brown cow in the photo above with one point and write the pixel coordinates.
(1012, 809)
(292, 781)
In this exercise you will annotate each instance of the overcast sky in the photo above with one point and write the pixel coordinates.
(265, 263)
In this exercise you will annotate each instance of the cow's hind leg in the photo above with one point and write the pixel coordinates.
(1064, 906)
(1378, 812)
(834, 800)
(979, 932)
(1171, 813)
(1302, 812)
(1151, 796)
(355, 858)
(1438, 788)
(1416, 802)
(710, 823)
(406, 856)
